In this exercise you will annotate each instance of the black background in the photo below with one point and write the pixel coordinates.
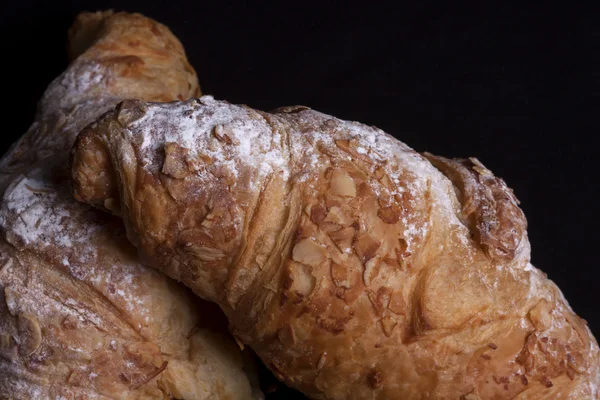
(516, 87)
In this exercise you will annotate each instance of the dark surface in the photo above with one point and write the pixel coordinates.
(518, 88)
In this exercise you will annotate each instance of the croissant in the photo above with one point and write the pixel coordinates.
(354, 266)
(80, 317)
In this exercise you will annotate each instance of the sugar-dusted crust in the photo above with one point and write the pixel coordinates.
(80, 317)
(355, 267)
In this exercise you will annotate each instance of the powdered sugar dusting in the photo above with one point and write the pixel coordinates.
(26, 197)
(71, 101)
(83, 81)
(40, 216)
(34, 215)
(406, 170)
(36, 299)
(232, 136)
(29, 388)
(69, 268)
(50, 230)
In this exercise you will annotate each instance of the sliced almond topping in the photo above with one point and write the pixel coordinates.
(337, 216)
(363, 190)
(317, 214)
(308, 252)
(198, 162)
(175, 164)
(308, 208)
(70, 322)
(329, 227)
(372, 268)
(397, 304)
(333, 325)
(208, 221)
(525, 357)
(341, 184)
(541, 316)
(354, 148)
(576, 361)
(287, 336)
(340, 275)
(570, 374)
(384, 200)
(343, 144)
(291, 109)
(381, 299)
(301, 281)
(480, 168)
(203, 253)
(402, 251)
(239, 342)
(388, 324)
(547, 382)
(366, 247)
(379, 172)
(331, 201)
(322, 360)
(205, 159)
(343, 238)
(389, 215)
(356, 203)
(224, 134)
(337, 255)
(212, 217)
(130, 111)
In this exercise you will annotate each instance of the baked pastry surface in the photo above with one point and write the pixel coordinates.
(80, 317)
(354, 266)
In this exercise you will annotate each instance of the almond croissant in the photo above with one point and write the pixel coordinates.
(80, 317)
(354, 266)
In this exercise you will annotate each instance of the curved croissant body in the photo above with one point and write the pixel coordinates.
(355, 267)
(80, 317)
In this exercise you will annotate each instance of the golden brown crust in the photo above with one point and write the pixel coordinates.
(80, 317)
(489, 207)
(351, 264)
(131, 57)
(146, 56)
